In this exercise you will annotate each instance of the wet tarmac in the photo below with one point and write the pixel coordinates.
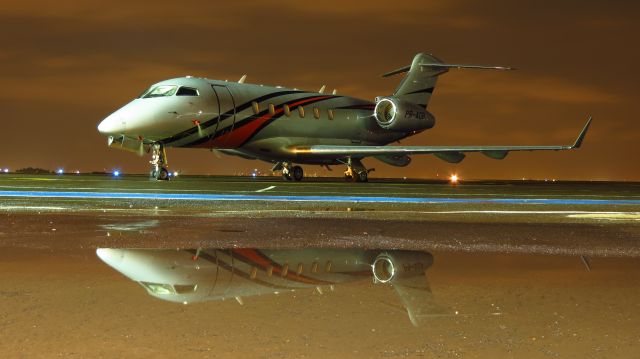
(317, 269)
(70, 303)
(595, 219)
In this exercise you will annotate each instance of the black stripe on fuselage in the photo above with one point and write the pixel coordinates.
(247, 120)
(367, 106)
(225, 115)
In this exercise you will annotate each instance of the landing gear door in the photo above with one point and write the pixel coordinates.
(226, 110)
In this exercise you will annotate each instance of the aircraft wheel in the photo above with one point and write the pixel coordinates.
(153, 174)
(163, 175)
(297, 173)
(363, 176)
(286, 177)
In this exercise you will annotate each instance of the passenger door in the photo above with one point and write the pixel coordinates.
(226, 109)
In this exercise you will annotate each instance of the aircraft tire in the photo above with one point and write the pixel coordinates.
(286, 177)
(363, 176)
(163, 174)
(298, 173)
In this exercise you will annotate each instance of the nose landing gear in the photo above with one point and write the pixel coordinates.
(158, 162)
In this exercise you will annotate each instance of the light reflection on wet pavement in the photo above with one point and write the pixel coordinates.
(70, 302)
(95, 278)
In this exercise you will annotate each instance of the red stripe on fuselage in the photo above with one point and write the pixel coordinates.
(239, 135)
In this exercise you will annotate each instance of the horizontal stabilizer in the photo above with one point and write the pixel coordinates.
(447, 66)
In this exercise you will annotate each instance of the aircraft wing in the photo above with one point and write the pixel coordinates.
(451, 154)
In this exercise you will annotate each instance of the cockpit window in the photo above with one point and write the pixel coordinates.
(160, 91)
(187, 91)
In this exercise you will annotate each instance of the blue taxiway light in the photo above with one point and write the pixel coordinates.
(362, 199)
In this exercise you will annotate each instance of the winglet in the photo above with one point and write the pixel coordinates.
(582, 134)
(244, 77)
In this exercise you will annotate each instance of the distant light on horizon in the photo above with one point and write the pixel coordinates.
(454, 179)
(6, 170)
(116, 173)
(60, 171)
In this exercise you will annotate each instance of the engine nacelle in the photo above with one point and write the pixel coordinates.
(397, 115)
(389, 267)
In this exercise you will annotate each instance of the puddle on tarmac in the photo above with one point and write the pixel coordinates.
(315, 303)
(198, 275)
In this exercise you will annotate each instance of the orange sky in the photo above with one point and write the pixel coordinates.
(65, 66)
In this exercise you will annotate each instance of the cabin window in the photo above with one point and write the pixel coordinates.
(256, 107)
(254, 272)
(287, 111)
(272, 109)
(160, 91)
(300, 268)
(187, 91)
(301, 111)
(269, 271)
(330, 113)
(316, 112)
(327, 267)
(285, 270)
(314, 267)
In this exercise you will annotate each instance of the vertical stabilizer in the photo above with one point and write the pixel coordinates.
(419, 82)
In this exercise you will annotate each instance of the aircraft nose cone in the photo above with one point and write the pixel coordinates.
(111, 126)
(110, 256)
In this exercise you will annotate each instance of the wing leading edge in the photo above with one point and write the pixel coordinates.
(451, 154)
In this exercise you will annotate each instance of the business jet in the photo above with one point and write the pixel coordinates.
(198, 275)
(290, 127)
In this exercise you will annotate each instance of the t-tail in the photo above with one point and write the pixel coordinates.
(421, 76)
(406, 110)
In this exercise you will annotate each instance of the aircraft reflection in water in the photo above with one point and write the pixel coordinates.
(196, 275)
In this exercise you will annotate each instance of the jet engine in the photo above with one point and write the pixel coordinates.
(397, 115)
(393, 266)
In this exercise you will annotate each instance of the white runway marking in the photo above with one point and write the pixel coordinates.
(37, 208)
(266, 189)
(612, 216)
(571, 213)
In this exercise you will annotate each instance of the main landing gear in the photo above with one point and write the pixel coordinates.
(158, 162)
(356, 171)
(289, 172)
